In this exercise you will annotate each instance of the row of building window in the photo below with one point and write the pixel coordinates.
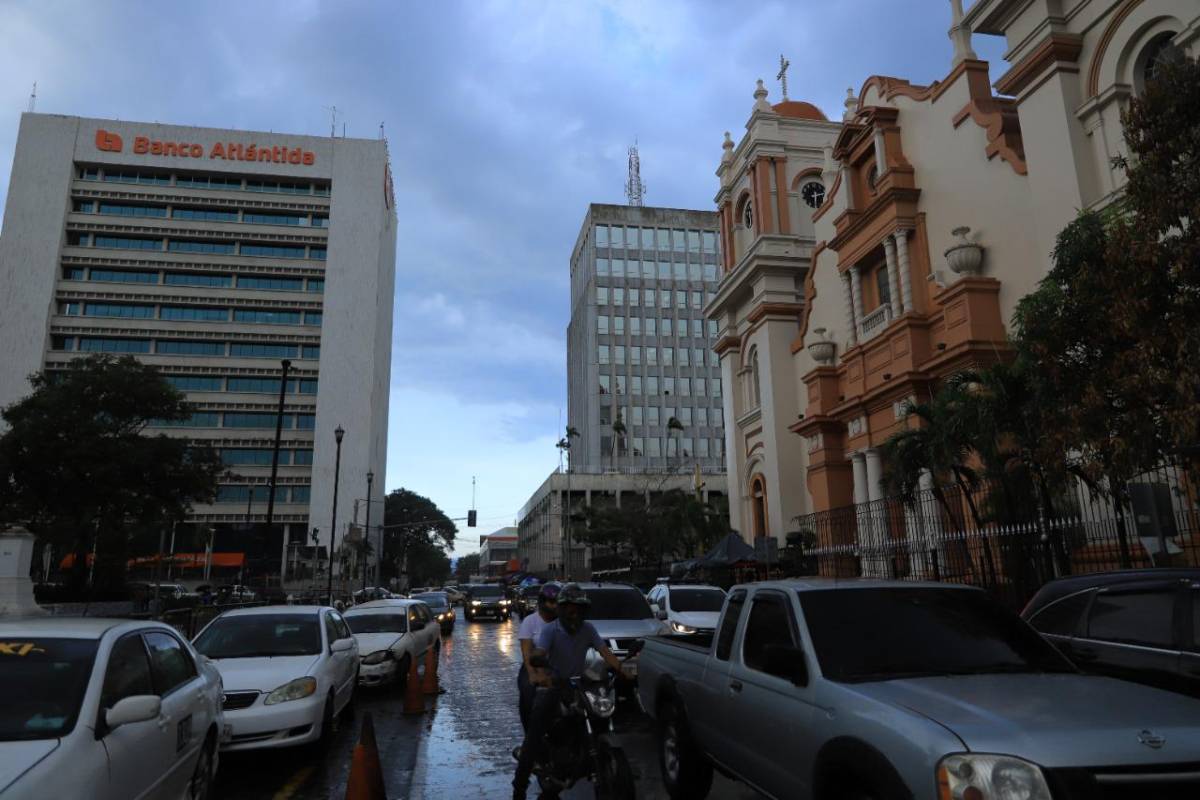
(178, 347)
(650, 270)
(190, 313)
(194, 246)
(201, 214)
(283, 494)
(154, 178)
(653, 415)
(201, 279)
(261, 457)
(616, 296)
(666, 356)
(654, 327)
(682, 387)
(668, 239)
(658, 447)
(219, 383)
(242, 419)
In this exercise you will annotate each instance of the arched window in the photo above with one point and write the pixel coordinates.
(1158, 51)
(748, 215)
(753, 388)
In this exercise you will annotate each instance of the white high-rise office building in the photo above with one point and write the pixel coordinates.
(215, 255)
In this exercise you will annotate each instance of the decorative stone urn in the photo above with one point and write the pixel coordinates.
(966, 257)
(822, 349)
(16, 589)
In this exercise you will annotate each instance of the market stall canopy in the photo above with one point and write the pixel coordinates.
(729, 551)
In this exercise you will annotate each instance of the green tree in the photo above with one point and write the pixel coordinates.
(465, 567)
(76, 461)
(417, 536)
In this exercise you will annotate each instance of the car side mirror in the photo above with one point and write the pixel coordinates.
(787, 662)
(138, 708)
(341, 645)
(539, 658)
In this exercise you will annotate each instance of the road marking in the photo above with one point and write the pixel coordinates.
(295, 783)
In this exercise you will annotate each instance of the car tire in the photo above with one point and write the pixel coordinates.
(401, 682)
(328, 720)
(686, 771)
(201, 783)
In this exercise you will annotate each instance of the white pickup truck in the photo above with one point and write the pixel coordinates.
(874, 690)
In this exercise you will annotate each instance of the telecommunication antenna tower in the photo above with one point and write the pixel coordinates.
(33, 98)
(634, 188)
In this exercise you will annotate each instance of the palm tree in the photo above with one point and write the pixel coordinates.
(673, 425)
(618, 429)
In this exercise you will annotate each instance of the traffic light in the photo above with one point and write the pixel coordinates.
(471, 518)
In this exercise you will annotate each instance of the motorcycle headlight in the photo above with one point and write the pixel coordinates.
(378, 657)
(503, 602)
(476, 602)
(292, 690)
(441, 617)
(990, 777)
(679, 627)
(601, 703)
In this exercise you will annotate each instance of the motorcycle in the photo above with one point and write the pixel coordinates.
(581, 744)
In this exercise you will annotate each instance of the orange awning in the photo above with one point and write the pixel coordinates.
(179, 560)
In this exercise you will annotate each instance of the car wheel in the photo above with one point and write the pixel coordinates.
(402, 672)
(328, 720)
(200, 786)
(686, 773)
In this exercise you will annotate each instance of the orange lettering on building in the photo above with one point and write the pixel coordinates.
(108, 142)
(229, 151)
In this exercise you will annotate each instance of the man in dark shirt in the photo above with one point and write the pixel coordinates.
(566, 642)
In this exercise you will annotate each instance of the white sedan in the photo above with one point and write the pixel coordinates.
(289, 671)
(391, 635)
(687, 608)
(107, 709)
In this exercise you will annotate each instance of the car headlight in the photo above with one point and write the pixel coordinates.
(476, 602)
(441, 617)
(679, 627)
(990, 777)
(602, 703)
(292, 690)
(503, 602)
(378, 657)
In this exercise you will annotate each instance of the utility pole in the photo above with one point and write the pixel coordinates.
(337, 470)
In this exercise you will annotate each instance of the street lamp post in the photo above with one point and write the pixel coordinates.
(337, 471)
(367, 538)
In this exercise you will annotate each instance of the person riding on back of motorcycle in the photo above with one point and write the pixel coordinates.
(565, 643)
(527, 634)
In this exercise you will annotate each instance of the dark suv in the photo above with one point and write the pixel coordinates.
(1140, 625)
(486, 600)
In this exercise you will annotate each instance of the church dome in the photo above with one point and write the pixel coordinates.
(798, 109)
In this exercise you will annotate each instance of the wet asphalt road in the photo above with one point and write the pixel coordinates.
(460, 748)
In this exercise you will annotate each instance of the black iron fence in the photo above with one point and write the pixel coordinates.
(1000, 536)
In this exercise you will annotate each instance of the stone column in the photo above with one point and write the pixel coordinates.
(858, 463)
(851, 316)
(874, 474)
(889, 252)
(880, 153)
(856, 294)
(875, 562)
(16, 589)
(905, 269)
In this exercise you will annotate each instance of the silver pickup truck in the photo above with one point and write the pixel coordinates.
(880, 690)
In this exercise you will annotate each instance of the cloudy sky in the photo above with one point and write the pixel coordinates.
(505, 119)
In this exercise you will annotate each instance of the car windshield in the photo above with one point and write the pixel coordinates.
(697, 599)
(434, 600)
(42, 682)
(618, 603)
(378, 622)
(486, 592)
(260, 636)
(887, 633)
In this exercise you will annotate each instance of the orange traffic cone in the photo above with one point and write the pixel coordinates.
(366, 773)
(430, 683)
(414, 703)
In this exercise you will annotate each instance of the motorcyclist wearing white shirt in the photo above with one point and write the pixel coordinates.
(527, 635)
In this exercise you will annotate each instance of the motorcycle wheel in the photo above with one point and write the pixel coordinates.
(614, 776)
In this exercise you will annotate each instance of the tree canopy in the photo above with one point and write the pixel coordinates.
(76, 458)
(425, 535)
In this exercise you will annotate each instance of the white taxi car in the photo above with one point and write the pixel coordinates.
(289, 671)
(105, 708)
(391, 635)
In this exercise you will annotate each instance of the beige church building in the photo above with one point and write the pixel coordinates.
(867, 258)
